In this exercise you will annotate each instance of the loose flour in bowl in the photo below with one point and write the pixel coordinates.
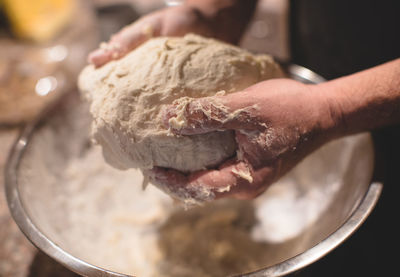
(109, 221)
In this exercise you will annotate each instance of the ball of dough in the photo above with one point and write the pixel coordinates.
(127, 95)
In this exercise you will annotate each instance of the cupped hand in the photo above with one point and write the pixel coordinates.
(276, 124)
(174, 21)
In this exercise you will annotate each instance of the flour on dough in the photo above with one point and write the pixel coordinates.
(127, 96)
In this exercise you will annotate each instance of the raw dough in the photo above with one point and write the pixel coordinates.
(127, 95)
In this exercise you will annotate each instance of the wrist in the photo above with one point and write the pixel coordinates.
(329, 115)
(363, 101)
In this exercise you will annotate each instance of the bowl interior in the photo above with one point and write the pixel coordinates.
(102, 216)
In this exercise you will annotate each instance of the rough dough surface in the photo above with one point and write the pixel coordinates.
(127, 96)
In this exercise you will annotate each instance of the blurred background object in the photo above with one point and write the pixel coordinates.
(43, 46)
(38, 20)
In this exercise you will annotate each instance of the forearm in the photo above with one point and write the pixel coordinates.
(228, 17)
(364, 101)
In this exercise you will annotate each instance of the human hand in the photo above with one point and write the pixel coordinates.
(223, 20)
(276, 124)
(174, 21)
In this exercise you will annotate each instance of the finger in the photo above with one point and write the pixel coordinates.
(101, 56)
(233, 179)
(124, 41)
(188, 116)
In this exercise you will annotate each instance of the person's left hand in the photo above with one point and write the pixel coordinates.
(173, 21)
(224, 20)
(276, 124)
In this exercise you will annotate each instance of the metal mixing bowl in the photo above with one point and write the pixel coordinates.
(36, 168)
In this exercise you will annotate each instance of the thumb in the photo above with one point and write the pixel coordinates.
(189, 116)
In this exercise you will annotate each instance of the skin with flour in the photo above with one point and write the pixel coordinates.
(292, 120)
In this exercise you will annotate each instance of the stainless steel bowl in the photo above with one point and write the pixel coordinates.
(342, 170)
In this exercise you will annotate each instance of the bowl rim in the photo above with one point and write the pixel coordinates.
(43, 243)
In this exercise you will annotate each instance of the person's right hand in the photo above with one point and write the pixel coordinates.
(276, 124)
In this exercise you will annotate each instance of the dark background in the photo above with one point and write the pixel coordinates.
(337, 38)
